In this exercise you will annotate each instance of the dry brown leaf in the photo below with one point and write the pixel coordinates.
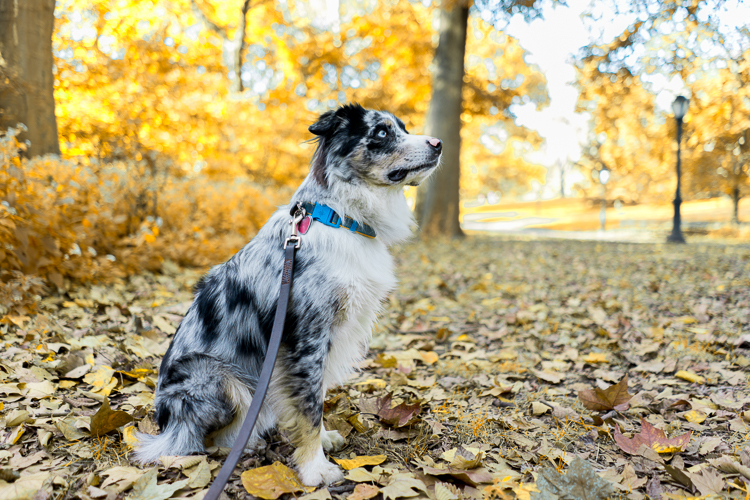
(473, 477)
(364, 492)
(107, 420)
(708, 482)
(403, 486)
(614, 396)
(549, 376)
(653, 438)
(398, 416)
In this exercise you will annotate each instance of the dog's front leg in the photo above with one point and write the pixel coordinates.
(300, 414)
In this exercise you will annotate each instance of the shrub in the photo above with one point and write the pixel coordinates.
(83, 220)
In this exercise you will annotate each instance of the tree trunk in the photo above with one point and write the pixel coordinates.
(239, 48)
(26, 79)
(736, 205)
(437, 199)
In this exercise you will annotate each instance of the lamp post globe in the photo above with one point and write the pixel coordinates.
(680, 107)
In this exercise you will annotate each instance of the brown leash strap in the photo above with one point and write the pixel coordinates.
(291, 245)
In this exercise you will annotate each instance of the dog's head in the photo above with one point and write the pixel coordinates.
(359, 145)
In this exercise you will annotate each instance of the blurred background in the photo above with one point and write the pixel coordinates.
(142, 132)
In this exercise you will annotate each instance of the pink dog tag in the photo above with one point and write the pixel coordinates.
(304, 225)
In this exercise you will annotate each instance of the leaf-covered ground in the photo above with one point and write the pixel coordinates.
(502, 368)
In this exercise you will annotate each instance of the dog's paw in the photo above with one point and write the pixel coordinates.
(319, 472)
(331, 440)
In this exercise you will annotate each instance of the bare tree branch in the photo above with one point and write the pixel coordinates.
(207, 22)
(239, 48)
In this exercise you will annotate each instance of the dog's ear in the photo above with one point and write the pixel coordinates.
(325, 125)
(318, 164)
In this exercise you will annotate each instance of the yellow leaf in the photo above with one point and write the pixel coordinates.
(128, 435)
(524, 491)
(429, 357)
(272, 481)
(19, 320)
(695, 416)
(372, 383)
(100, 378)
(353, 463)
(690, 377)
(595, 357)
(13, 436)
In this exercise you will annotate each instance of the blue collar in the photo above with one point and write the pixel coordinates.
(327, 216)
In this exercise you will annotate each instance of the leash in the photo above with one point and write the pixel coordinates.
(290, 247)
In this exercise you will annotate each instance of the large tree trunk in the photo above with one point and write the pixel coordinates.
(437, 199)
(26, 79)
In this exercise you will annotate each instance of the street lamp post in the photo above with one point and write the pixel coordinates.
(603, 178)
(679, 106)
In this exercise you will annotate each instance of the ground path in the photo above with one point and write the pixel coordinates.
(481, 380)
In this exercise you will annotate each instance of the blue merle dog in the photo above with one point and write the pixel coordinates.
(363, 160)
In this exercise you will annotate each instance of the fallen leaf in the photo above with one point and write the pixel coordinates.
(446, 491)
(17, 417)
(653, 438)
(24, 488)
(595, 357)
(695, 416)
(690, 377)
(100, 378)
(360, 461)
(398, 416)
(580, 482)
(146, 488)
(121, 477)
(608, 399)
(679, 476)
(272, 481)
(727, 465)
(129, 437)
(319, 494)
(403, 486)
(548, 376)
(79, 371)
(200, 475)
(361, 475)
(473, 477)
(363, 492)
(68, 428)
(524, 492)
(106, 420)
(539, 408)
(463, 457)
(708, 482)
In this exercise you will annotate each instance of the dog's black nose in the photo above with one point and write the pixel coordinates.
(435, 143)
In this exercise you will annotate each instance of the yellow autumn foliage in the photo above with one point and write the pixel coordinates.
(85, 220)
(164, 157)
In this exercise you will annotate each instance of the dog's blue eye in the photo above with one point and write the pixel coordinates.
(382, 134)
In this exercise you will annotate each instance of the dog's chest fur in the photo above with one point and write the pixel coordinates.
(363, 271)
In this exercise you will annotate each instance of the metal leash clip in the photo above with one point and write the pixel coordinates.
(299, 214)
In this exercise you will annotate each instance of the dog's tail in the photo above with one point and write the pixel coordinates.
(174, 440)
